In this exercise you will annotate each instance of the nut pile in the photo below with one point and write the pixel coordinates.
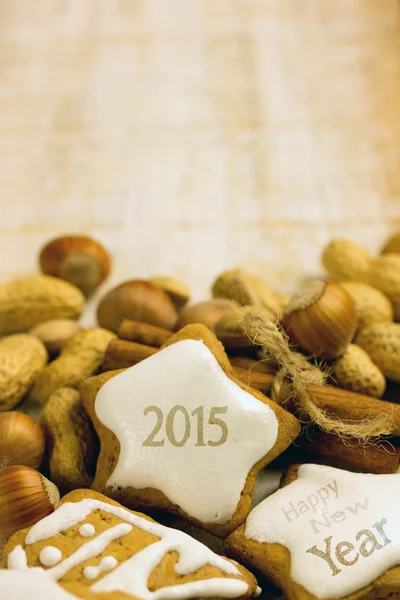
(347, 323)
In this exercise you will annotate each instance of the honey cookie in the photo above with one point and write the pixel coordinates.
(327, 533)
(71, 441)
(267, 482)
(33, 584)
(94, 542)
(179, 432)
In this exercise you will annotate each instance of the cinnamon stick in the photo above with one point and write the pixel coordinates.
(330, 449)
(249, 364)
(255, 379)
(337, 402)
(121, 354)
(143, 333)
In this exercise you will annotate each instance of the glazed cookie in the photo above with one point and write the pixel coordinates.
(180, 432)
(34, 584)
(327, 533)
(71, 441)
(95, 542)
(267, 483)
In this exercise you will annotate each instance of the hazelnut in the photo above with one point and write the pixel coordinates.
(137, 300)
(78, 259)
(25, 498)
(321, 319)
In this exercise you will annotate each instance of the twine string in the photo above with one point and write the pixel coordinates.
(270, 336)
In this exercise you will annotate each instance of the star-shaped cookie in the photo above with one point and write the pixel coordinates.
(327, 533)
(94, 544)
(180, 432)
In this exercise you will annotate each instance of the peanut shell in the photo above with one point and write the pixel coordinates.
(27, 302)
(22, 358)
(247, 289)
(382, 342)
(355, 371)
(371, 304)
(347, 261)
(71, 441)
(385, 275)
(79, 359)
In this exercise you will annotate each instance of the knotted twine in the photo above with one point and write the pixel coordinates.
(270, 336)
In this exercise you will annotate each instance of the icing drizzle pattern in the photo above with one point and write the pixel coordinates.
(108, 563)
(31, 585)
(132, 575)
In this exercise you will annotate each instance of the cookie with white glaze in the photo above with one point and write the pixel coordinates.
(179, 432)
(326, 533)
(34, 584)
(92, 541)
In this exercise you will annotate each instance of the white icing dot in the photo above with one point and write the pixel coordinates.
(108, 563)
(50, 556)
(257, 592)
(87, 530)
(90, 572)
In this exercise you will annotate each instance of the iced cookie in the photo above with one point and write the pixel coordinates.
(327, 533)
(180, 432)
(95, 542)
(34, 584)
(71, 441)
(267, 483)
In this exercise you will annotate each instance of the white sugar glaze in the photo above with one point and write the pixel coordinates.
(331, 510)
(32, 584)
(87, 530)
(50, 556)
(17, 559)
(186, 374)
(132, 575)
(108, 563)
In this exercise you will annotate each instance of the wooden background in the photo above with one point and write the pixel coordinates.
(194, 135)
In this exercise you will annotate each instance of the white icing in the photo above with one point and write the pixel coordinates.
(32, 584)
(87, 530)
(89, 550)
(108, 563)
(50, 556)
(208, 588)
(132, 575)
(258, 592)
(17, 559)
(187, 374)
(326, 503)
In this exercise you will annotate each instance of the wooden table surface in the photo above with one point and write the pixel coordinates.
(194, 135)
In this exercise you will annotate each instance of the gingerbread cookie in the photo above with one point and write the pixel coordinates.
(94, 542)
(180, 432)
(267, 483)
(34, 584)
(327, 533)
